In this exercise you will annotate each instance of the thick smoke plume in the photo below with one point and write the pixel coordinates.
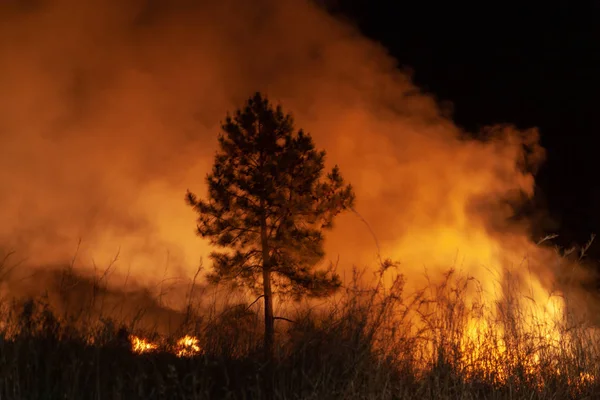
(110, 110)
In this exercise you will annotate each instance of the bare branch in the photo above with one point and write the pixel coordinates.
(254, 302)
(284, 319)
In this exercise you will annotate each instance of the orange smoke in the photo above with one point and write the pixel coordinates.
(110, 111)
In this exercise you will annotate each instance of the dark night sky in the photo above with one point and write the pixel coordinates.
(526, 64)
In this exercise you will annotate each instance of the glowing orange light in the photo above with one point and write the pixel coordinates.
(141, 345)
(187, 346)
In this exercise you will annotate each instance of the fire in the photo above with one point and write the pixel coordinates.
(187, 346)
(141, 345)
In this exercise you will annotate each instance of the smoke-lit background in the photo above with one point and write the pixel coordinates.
(520, 62)
(110, 110)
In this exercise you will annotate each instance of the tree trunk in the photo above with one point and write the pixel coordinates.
(269, 326)
(269, 322)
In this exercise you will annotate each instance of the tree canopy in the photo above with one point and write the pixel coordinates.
(268, 175)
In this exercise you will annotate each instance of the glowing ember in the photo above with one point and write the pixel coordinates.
(585, 378)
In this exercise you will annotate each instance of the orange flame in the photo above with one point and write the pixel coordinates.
(187, 346)
(141, 345)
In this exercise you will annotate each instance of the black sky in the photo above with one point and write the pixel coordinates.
(530, 64)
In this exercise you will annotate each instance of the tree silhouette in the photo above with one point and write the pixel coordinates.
(268, 204)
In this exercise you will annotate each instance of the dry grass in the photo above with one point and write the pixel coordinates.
(367, 343)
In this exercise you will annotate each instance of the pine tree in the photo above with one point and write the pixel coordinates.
(268, 204)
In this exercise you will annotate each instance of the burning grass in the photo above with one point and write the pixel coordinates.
(369, 343)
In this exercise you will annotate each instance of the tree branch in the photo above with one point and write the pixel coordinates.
(254, 302)
(285, 319)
